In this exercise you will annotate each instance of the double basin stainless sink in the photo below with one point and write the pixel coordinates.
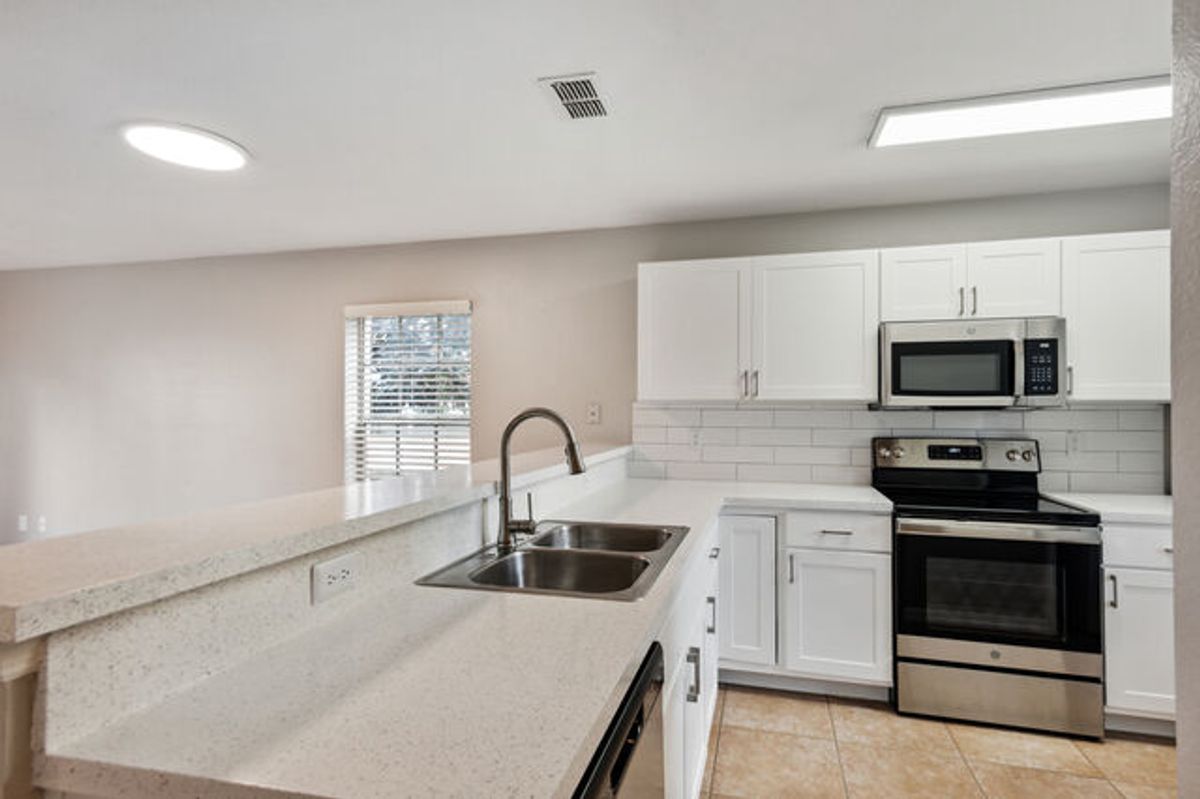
(605, 561)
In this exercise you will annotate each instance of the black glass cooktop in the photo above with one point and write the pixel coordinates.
(984, 506)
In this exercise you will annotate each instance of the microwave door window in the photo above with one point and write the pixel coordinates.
(947, 369)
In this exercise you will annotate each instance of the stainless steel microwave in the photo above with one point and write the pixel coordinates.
(980, 363)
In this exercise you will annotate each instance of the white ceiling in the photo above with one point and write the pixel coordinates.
(376, 121)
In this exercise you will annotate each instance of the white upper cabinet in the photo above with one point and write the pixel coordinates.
(693, 329)
(815, 326)
(917, 283)
(1014, 278)
(1117, 302)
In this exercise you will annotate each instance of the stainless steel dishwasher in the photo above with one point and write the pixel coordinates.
(629, 760)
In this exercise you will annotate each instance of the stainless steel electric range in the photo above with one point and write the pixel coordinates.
(998, 614)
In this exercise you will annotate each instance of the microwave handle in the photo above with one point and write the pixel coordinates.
(1018, 369)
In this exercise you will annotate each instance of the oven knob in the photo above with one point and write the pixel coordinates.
(884, 453)
(898, 452)
(1012, 454)
(1027, 455)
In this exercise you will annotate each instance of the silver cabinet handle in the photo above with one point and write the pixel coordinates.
(1112, 603)
(791, 568)
(962, 300)
(714, 553)
(754, 383)
(712, 606)
(974, 300)
(745, 377)
(1169, 550)
(837, 532)
(1070, 379)
(693, 657)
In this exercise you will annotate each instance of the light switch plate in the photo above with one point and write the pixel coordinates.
(336, 576)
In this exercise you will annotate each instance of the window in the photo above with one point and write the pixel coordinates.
(408, 388)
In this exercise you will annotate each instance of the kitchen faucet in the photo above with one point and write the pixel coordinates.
(509, 527)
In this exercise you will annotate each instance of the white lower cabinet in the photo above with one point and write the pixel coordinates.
(690, 642)
(1139, 642)
(837, 611)
(747, 611)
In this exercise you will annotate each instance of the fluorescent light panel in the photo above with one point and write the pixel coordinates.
(1027, 112)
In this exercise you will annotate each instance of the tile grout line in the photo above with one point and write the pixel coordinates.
(970, 768)
(837, 749)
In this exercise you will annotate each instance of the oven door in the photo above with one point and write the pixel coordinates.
(1018, 588)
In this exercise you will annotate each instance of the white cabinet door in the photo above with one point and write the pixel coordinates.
(1014, 278)
(917, 283)
(674, 701)
(697, 718)
(693, 329)
(815, 326)
(1139, 635)
(838, 611)
(1117, 302)
(747, 595)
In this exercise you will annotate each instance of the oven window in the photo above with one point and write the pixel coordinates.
(953, 368)
(1003, 591)
(965, 595)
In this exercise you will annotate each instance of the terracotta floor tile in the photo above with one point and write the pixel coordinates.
(876, 724)
(752, 763)
(1146, 791)
(877, 773)
(1021, 749)
(775, 711)
(1133, 761)
(1012, 782)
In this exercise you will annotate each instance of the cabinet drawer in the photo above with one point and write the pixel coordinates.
(860, 532)
(1140, 546)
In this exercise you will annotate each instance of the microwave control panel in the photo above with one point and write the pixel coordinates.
(1041, 367)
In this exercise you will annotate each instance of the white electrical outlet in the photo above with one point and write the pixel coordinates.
(41, 524)
(336, 576)
(22, 522)
(593, 413)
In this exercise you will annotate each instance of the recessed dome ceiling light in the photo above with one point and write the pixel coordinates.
(185, 146)
(1026, 112)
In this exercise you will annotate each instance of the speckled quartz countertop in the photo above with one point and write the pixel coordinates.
(1123, 508)
(52, 583)
(427, 691)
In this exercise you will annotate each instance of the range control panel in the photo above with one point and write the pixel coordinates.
(992, 454)
(1041, 367)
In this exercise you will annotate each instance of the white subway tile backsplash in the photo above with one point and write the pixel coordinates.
(701, 471)
(812, 418)
(1115, 448)
(1117, 482)
(1142, 418)
(842, 475)
(736, 455)
(1079, 461)
(736, 418)
(832, 456)
(1123, 441)
(1072, 419)
(771, 436)
(1148, 462)
(775, 473)
(649, 435)
(699, 436)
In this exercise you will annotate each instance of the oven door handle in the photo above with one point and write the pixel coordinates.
(1038, 534)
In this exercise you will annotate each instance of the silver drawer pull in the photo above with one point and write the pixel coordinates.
(714, 553)
(712, 606)
(1169, 550)
(837, 532)
(693, 657)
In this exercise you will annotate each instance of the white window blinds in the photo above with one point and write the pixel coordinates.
(408, 388)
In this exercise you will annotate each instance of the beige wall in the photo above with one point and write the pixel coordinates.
(138, 390)
(1185, 377)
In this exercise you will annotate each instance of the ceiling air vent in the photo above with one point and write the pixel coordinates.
(577, 95)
